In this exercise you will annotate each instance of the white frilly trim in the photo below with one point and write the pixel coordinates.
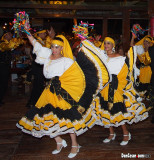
(136, 118)
(136, 70)
(130, 111)
(86, 51)
(97, 51)
(56, 130)
(129, 91)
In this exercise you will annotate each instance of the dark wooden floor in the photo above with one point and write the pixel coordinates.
(15, 145)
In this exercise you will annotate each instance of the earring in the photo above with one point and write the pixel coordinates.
(113, 50)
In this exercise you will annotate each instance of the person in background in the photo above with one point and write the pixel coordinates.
(50, 34)
(97, 41)
(29, 60)
(75, 48)
(144, 64)
(41, 35)
(7, 45)
(119, 49)
(37, 71)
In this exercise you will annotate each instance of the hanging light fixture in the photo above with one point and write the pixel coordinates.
(58, 2)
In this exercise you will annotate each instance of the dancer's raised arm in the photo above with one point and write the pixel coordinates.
(31, 38)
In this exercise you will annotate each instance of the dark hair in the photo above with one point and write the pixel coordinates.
(59, 39)
(119, 46)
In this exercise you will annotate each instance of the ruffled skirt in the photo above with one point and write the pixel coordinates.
(122, 107)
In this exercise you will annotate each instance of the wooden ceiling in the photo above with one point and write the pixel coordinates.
(88, 9)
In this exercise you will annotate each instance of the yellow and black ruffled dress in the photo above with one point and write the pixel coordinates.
(144, 64)
(117, 103)
(145, 71)
(65, 104)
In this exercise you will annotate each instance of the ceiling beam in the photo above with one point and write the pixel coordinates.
(71, 7)
(71, 16)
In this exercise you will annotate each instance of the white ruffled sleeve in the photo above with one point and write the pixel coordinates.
(139, 49)
(42, 53)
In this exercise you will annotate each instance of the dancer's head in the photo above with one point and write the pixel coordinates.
(40, 32)
(148, 42)
(62, 43)
(57, 45)
(109, 44)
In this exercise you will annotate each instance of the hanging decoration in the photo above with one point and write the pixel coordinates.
(21, 23)
(137, 31)
(82, 30)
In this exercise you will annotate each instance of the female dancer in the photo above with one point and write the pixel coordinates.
(116, 103)
(145, 60)
(64, 105)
